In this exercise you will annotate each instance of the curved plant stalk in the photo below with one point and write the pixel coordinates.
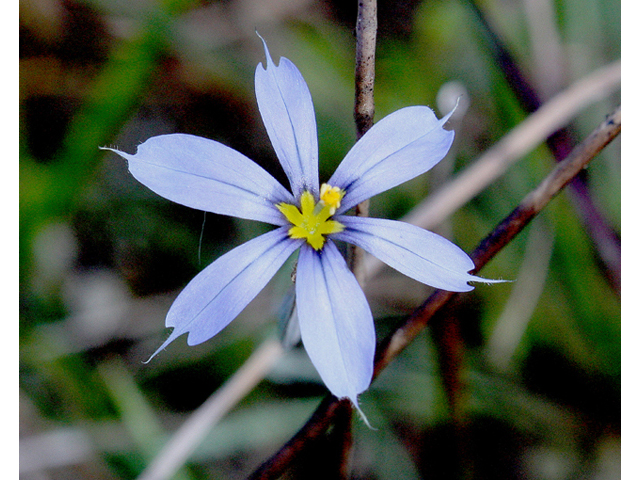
(538, 126)
(364, 108)
(185, 440)
(605, 239)
(191, 433)
(401, 337)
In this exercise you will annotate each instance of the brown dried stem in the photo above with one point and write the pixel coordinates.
(398, 340)
(366, 30)
(364, 106)
(332, 408)
(513, 224)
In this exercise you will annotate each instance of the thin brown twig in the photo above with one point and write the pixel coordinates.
(343, 441)
(605, 239)
(513, 146)
(332, 410)
(365, 71)
(398, 340)
(364, 105)
(513, 224)
(363, 112)
(319, 422)
(186, 439)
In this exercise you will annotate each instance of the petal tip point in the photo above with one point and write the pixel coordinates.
(361, 414)
(269, 60)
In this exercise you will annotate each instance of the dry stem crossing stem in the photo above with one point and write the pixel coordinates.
(364, 107)
(513, 224)
(398, 340)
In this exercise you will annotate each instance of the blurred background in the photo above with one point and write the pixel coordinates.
(516, 381)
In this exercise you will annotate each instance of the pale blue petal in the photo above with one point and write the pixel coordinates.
(207, 175)
(287, 112)
(413, 251)
(222, 290)
(398, 148)
(336, 324)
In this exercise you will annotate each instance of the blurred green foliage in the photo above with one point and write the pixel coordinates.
(101, 257)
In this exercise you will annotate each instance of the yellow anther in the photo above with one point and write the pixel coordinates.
(311, 222)
(331, 196)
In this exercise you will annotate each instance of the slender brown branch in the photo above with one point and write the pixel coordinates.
(605, 239)
(185, 439)
(319, 422)
(331, 410)
(364, 107)
(366, 30)
(398, 340)
(363, 112)
(513, 224)
(343, 441)
(512, 147)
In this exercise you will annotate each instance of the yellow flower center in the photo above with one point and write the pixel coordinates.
(311, 222)
(331, 196)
